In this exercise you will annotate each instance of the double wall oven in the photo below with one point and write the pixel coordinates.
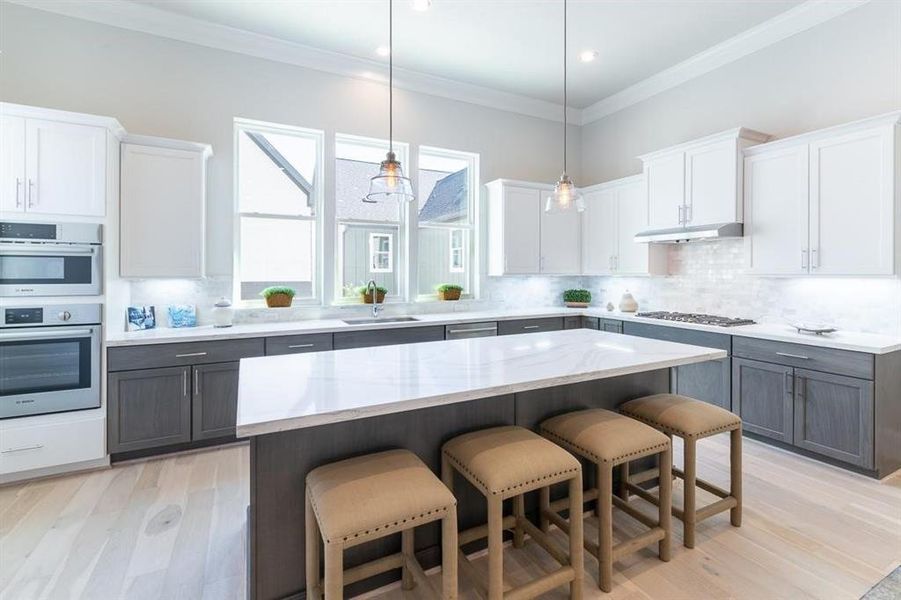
(50, 259)
(49, 359)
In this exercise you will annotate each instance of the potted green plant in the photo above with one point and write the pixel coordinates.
(367, 296)
(577, 298)
(449, 291)
(278, 296)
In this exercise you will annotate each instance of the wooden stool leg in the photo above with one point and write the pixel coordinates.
(449, 555)
(495, 548)
(311, 543)
(688, 510)
(605, 528)
(334, 571)
(519, 511)
(665, 514)
(623, 480)
(544, 507)
(575, 537)
(406, 548)
(735, 475)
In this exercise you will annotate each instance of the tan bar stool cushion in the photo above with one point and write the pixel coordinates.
(604, 436)
(501, 459)
(681, 415)
(359, 496)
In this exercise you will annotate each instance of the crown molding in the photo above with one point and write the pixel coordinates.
(782, 26)
(153, 21)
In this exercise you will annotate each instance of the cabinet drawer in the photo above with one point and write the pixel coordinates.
(30, 448)
(529, 325)
(828, 360)
(678, 334)
(296, 344)
(610, 325)
(573, 323)
(387, 337)
(178, 355)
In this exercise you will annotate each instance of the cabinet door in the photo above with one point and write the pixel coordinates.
(599, 232)
(665, 178)
(149, 408)
(610, 325)
(834, 416)
(515, 326)
(776, 211)
(852, 204)
(522, 229)
(215, 400)
(162, 212)
(711, 184)
(631, 218)
(561, 246)
(12, 163)
(65, 165)
(762, 397)
(709, 381)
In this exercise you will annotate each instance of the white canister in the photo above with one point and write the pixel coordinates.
(628, 303)
(223, 313)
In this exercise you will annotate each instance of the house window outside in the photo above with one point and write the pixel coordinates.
(447, 212)
(381, 258)
(370, 237)
(278, 180)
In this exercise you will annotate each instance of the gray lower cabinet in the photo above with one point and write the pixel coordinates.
(834, 416)
(573, 322)
(148, 408)
(610, 325)
(762, 395)
(590, 323)
(387, 337)
(298, 344)
(515, 326)
(214, 400)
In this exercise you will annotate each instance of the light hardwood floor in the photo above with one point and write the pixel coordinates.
(174, 528)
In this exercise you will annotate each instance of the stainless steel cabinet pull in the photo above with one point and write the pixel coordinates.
(804, 259)
(190, 354)
(301, 346)
(681, 214)
(31, 201)
(531, 326)
(23, 449)
(18, 189)
(787, 355)
(475, 330)
(814, 258)
(196, 381)
(184, 383)
(689, 213)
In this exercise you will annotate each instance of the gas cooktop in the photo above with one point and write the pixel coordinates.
(698, 319)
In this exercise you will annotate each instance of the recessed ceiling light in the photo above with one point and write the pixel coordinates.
(382, 51)
(586, 56)
(421, 5)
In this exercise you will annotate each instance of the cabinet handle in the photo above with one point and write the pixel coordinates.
(31, 201)
(531, 326)
(23, 449)
(18, 189)
(474, 330)
(798, 356)
(189, 354)
(681, 213)
(804, 261)
(689, 213)
(814, 258)
(196, 381)
(184, 383)
(292, 346)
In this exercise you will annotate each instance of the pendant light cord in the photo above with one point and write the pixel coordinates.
(564, 86)
(391, 76)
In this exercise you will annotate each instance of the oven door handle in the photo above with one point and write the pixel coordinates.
(44, 335)
(59, 249)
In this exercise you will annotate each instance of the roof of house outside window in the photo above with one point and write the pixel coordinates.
(447, 201)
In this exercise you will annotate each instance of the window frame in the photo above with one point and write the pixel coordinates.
(402, 265)
(472, 223)
(374, 251)
(240, 125)
(453, 250)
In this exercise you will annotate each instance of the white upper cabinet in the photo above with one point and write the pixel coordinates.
(826, 202)
(54, 162)
(614, 212)
(162, 210)
(523, 239)
(698, 183)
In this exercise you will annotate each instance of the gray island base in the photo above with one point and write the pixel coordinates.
(302, 411)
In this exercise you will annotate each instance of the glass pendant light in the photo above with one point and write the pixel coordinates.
(566, 196)
(390, 183)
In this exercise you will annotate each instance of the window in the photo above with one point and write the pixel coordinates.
(446, 209)
(381, 259)
(370, 237)
(457, 238)
(278, 175)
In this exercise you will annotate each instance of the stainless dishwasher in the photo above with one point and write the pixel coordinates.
(463, 331)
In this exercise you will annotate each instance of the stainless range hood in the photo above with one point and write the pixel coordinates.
(695, 233)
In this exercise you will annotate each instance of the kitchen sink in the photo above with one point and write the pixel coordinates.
(368, 320)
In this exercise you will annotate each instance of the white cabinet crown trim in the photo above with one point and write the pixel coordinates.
(744, 133)
(52, 114)
(886, 119)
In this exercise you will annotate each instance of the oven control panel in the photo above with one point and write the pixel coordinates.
(49, 315)
(23, 316)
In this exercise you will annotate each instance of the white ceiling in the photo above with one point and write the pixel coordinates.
(514, 46)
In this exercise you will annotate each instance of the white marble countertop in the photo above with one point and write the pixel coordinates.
(280, 393)
(783, 332)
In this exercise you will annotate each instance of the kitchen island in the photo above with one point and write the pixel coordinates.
(301, 411)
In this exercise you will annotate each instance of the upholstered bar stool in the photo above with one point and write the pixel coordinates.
(691, 420)
(369, 497)
(507, 462)
(610, 440)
